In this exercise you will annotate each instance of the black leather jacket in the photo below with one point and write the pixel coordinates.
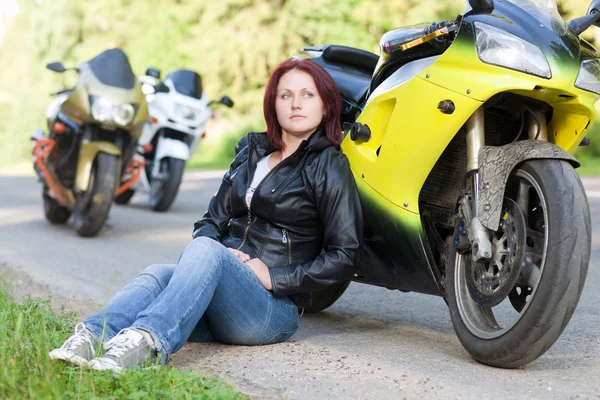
(304, 221)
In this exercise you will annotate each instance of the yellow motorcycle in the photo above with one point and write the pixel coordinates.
(93, 133)
(460, 136)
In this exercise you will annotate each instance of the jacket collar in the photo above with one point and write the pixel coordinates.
(260, 146)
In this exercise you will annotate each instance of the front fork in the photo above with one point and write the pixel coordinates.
(478, 236)
(470, 233)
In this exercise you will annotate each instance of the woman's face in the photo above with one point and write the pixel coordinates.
(298, 105)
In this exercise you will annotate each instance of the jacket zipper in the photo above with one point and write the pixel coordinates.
(282, 163)
(251, 219)
(250, 222)
(287, 239)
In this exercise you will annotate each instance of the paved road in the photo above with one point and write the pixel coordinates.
(373, 343)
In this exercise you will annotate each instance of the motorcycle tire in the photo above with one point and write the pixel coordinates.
(557, 227)
(325, 298)
(124, 197)
(92, 207)
(55, 213)
(174, 170)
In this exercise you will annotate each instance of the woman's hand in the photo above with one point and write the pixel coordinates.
(258, 267)
(261, 271)
(239, 254)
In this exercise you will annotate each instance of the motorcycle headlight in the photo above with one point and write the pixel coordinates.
(102, 109)
(124, 114)
(185, 112)
(497, 47)
(589, 76)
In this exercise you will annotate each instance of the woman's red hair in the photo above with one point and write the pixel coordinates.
(332, 101)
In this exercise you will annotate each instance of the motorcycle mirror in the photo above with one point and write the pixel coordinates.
(481, 5)
(226, 101)
(581, 24)
(56, 67)
(595, 9)
(153, 72)
(160, 87)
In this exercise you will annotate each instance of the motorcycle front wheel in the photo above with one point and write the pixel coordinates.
(554, 258)
(92, 207)
(165, 186)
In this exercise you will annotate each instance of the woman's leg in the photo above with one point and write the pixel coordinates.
(243, 312)
(118, 314)
(172, 316)
(202, 332)
(122, 310)
(206, 268)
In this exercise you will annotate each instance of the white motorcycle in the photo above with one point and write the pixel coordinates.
(179, 110)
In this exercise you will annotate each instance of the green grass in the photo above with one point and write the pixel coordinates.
(29, 330)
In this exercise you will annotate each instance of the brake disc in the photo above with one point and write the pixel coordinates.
(490, 281)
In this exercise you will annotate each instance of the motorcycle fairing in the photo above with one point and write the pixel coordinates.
(53, 108)
(403, 74)
(394, 255)
(392, 168)
(77, 106)
(390, 171)
(396, 165)
(459, 69)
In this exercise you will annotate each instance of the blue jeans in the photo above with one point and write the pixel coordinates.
(210, 295)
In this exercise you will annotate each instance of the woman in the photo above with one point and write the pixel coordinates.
(285, 222)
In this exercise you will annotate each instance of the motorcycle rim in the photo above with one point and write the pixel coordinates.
(493, 322)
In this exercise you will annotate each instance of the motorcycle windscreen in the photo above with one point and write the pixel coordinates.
(545, 11)
(186, 82)
(112, 68)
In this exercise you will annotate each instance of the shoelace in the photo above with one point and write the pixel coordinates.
(118, 345)
(81, 335)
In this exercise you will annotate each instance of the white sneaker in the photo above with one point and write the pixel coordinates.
(129, 348)
(77, 349)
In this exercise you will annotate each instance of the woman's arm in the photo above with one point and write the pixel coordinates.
(214, 222)
(338, 203)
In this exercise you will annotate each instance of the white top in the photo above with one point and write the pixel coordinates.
(262, 169)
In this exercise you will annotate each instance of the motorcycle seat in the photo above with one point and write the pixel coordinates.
(350, 68)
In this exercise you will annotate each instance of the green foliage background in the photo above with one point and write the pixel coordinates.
(233, 44)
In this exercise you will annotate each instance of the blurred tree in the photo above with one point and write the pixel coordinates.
(233, 44)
